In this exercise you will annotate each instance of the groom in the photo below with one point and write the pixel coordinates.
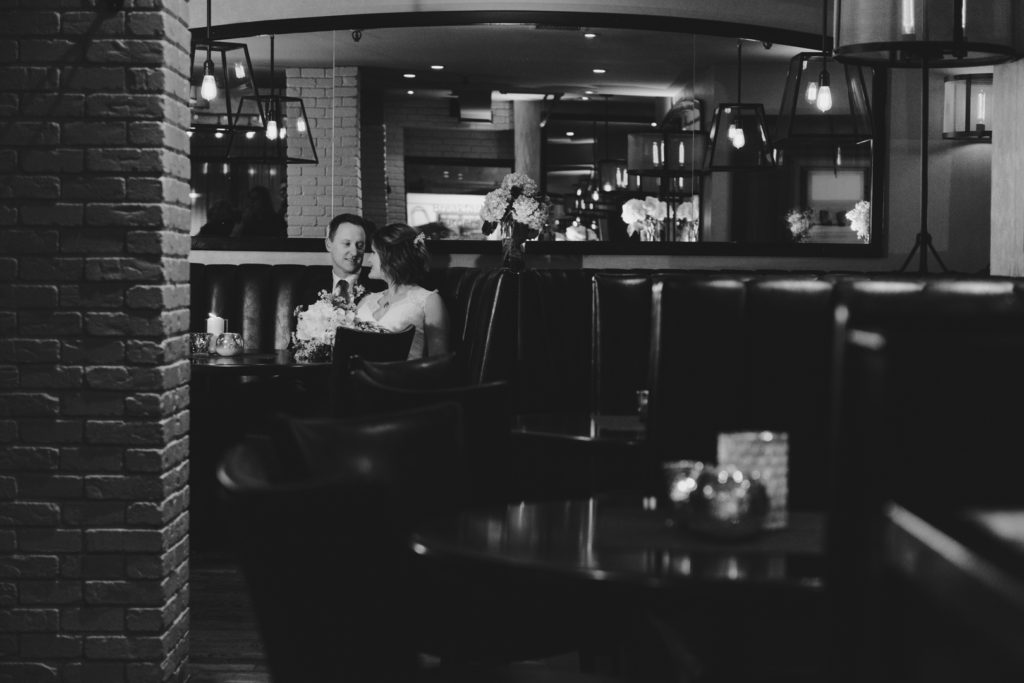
(346, 242)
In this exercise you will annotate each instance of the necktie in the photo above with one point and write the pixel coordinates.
(341, 289)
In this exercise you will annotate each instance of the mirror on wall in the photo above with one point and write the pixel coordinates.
(417, 124)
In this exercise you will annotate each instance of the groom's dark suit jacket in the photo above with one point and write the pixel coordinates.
(323, 279)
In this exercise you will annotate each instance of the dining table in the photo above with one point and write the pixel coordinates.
(233, 397)
(642, 584)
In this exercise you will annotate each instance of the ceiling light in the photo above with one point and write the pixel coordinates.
(408, 75)
(590, 34)
(589, 92)
(410, 92)
(599, 71)
(584, 98)
(569, 133)
(437, 67)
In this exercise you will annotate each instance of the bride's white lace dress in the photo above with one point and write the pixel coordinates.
(406, 311)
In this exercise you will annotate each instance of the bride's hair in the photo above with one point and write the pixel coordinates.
(402, 253)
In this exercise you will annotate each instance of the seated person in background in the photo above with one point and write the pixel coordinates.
(400, 259)
(346, 244)
(259, 218)
(220, 221)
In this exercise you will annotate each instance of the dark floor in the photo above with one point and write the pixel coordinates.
(224, 644)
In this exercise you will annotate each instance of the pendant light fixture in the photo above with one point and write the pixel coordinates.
(743, 144)
(272, 128)
(922, 34)
(812, 109)
(217, 84)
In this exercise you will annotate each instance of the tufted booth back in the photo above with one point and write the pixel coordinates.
(257, 300)
(260, 300)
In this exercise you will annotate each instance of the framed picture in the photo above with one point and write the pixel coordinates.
(830, 192)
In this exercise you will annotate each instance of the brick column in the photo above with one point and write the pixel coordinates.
(313, 188)
(94, 222)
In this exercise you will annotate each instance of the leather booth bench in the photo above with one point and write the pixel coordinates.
(259, 301)
(729, 351)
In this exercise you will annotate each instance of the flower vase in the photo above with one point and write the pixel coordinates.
(514, 235)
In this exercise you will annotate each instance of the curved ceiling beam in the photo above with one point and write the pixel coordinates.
(790, 22)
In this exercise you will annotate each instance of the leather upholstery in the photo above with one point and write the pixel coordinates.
(260, 300)
(553, 340)
(621, 335)
(420, 373)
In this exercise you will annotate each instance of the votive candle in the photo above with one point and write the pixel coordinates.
(215, 324)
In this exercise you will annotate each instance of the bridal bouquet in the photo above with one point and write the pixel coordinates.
(315, 325)
(860, 220)
(799, 223)
(644, 216)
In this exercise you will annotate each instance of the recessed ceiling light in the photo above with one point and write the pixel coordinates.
(584, 98)
(654, 124)
(599, 71)
(590, 34)
(437, 67)
(409, 75)
(413, 92)
(589, 92)
(569, 133)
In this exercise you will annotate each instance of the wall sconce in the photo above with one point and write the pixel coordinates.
(967, 114)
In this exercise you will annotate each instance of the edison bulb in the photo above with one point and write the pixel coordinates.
(812, 92)
(208, 90)
(824, 101)
(271, 129)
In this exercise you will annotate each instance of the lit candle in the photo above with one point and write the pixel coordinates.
(907, 17)
(215, 324)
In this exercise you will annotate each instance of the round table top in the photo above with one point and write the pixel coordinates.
(622, 540)
(582, 426)
(279, 362)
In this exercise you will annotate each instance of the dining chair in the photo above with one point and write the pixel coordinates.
(321, 528)
(373, 346)
(486, 422)
(433, 372)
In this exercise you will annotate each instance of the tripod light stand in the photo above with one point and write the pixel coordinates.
(922, 34)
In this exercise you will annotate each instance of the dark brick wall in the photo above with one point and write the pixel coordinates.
(94, 219)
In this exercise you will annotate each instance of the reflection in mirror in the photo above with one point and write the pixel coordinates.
(417, 124)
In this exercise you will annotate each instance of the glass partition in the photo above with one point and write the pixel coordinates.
(418, 123)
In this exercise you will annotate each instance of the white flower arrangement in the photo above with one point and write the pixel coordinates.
(316, 324)
(516, 201)
(644, 216)
(860, 220)
(799, 223)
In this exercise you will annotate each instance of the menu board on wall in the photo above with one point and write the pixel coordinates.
(458, 213)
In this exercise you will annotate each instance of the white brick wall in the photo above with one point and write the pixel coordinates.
(331, 98)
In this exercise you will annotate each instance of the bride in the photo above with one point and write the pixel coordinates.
(399, 258)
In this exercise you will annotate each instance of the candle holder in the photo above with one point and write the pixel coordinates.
(228, 344)
(200, 343)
